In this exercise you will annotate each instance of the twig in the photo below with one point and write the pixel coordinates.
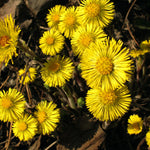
(9, 137)
(51, 145)
(126, 17)
(6, 140)
(29, 94)
(127, 23)
(4, 82)
(141, 142)
(132, 34)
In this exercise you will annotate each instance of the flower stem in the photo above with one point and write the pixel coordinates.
(22, 46)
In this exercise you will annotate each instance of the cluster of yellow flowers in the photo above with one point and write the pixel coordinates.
(106, 66)
(25, 126)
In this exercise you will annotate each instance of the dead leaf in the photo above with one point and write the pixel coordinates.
(9, 8)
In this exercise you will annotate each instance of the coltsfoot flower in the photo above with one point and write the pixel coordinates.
(97, 12)
(51, 42)
(137, 53)
(69, 22)
(8, 39)
(53, 17)
(25, 127)
(148, 138)
(84, 36)
(48, 117)
(135, 124)
(29, 76)
(12, 105)
(106, 64)
(57, 71)
(145, 45)
(108, 105)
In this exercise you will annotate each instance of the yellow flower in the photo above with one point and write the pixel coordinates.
(51, 42)
(53, 17)
(108, 104)
(30, 75)
(69, 21)
(145, 45)
(25, 127)
(12, 105)
(84, 36)
(98, 12)
(56, 71)
(48, 117)
(135, 124)
(148, 138)
(106, 64)
(137, 53)
(8, 39)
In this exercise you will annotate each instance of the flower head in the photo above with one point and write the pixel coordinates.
(108, 104)
(8, 39)
(56, 71)
(25, 127)
(98, 12)
(30, 75)
(137, 53)
(145, 45)
(48, 117)
(69, 22)
(148, 138)
(12, 105)
(135, 124)
(51, 42)
(84, 36)
(106, 64)
(53, 17)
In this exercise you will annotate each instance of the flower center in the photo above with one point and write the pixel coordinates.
(136, 126)
(41, 116)
(55, 18)
(55, 66)
(22, 126)
(108, 97)
(104, 65)
(70, 19)
(92, 9)
(4, 40)
(86, 40)
(6, 103)
(50, 40)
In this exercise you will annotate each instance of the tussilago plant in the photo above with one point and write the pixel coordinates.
(108, 105)
(99, 91)
(97, 12)
(84, 36)
(51, 42)
(69, 22)
(12, 105)
(106, 65)
(135, 124)
(145, 45)
(57, 71)
(8, 39)
(48, 117)
(27, 75)
(25, 127)
(148, 138)
(53, 17)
